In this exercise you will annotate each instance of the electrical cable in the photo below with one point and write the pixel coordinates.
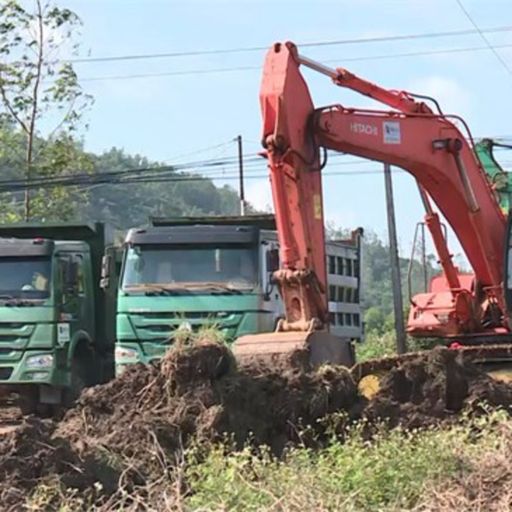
(254, 68)
(484, 38)
(363, 40)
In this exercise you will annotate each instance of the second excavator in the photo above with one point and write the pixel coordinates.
(466, 310)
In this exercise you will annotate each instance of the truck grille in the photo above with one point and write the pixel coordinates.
(15, 335)
(161, 327)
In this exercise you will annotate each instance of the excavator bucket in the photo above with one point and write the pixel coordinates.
(313, 348)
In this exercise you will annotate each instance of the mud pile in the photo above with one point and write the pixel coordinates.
(434, 386)
(133, 430)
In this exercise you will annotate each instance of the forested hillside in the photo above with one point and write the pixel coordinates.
(132, 204)
(123, 205)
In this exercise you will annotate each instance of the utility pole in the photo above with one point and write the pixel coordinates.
(401, 343)
(241, 175)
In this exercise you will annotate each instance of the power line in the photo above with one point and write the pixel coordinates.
(88, 181)
(68, 181)
(206, 168)
(363, 40)
(203, 150)
(484, 38)
(253, 68)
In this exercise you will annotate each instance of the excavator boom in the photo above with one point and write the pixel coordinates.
(429, 146)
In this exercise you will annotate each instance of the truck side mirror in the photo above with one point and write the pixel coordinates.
(106, 263)
(272, 260)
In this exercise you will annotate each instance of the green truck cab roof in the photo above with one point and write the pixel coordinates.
(201, 230)
(193, 234)
(266, 221)
(56, 231)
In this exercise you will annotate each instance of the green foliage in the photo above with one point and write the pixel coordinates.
(37, 87)
(390, 472)
(123, 206)
(131, 205)
(376, 321)
(53, 160)
(377, 345)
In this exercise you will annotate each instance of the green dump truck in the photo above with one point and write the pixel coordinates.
(185, 274)
(57, 308)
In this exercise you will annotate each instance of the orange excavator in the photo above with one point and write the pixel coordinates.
(471, 311)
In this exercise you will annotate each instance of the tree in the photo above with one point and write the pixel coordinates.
(38, 88)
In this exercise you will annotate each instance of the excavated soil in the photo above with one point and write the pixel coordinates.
(133, 430)
(434, 386)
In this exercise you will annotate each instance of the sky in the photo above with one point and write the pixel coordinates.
(183, 115)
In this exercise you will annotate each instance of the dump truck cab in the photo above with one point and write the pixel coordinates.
(184, 275)
(187, 274)
(56, 323)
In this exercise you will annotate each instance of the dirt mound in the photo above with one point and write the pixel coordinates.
(433, 386)
(197, 392)
(30, 453)
(132, 431)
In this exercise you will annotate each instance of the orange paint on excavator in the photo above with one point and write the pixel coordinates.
(426, 144)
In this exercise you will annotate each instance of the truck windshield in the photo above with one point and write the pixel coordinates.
(26, 278)
(194, 268)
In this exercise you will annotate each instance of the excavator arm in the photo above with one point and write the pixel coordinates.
(429, 146)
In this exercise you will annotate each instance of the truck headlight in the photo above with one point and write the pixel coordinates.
(125, 353)
(40, 361)
(39, 375)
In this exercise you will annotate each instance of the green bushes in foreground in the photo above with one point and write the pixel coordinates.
(393, 471)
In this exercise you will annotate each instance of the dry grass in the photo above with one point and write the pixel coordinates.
(485, 485)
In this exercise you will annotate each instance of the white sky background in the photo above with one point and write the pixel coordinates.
(164, 116)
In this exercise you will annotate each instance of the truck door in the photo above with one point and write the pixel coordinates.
(65, 299)
(84, 293)
(75, 296)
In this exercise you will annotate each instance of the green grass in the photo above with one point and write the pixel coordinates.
(378, 345)
(389, 473)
